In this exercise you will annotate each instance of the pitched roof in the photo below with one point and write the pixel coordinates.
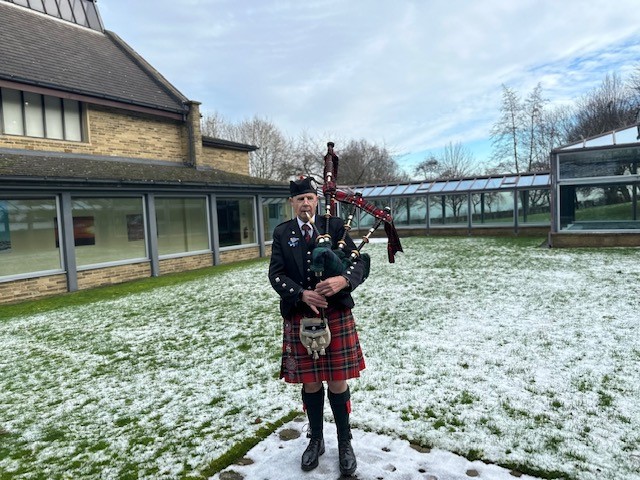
(56, 168)
(40, 50)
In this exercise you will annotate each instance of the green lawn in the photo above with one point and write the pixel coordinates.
(496, 349)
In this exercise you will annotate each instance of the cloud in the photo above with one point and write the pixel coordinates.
(415, 75)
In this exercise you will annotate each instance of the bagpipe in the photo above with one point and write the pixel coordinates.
(328, 261)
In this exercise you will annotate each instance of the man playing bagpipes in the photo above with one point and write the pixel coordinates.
(315, 265)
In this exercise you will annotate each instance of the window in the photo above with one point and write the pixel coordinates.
(599, 207)
(28, 236)
(236, 224)
(363, 219)
(274, 212)
(108, 230)
(80, 12)
(607, 163)
(182, 225)
(492, 208)
(43, 116)
(534, 206)
(448, 209)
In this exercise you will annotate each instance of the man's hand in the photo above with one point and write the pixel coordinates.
(315, 300)
(331, 285)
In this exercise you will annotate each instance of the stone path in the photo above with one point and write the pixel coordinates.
(379, 458)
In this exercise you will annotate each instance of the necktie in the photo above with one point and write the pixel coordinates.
(307, 232)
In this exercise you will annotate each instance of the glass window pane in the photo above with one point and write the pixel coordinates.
(51, 7)
(24, 3)
(534, 206)
(493, 183)
(36, 5)
(509, 182)
(480, 184)
(450, 186)
(437, 187)
(236, 225)
(448, 210)
(28, 236)
(603, 163)
(366, 220)
(78, 12)
(274, 212)
(598, 207)
(92, 15)
(33, 114)
(65, 10)
(376, 192)
(72, 120)
(492, 208)
(413, 188)
(525, 181)
(542, 179)
(53, 117)
(108, 230)
(12, 120)
(182, 225)
(464, 185)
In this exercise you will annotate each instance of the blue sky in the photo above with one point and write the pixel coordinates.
(412, 75)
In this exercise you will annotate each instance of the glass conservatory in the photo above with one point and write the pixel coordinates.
(596, 184)
(512, 202)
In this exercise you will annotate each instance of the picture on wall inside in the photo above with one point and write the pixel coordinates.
(84, 232)
(135, 227)
(5, 234)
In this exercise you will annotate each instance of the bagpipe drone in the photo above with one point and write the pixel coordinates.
(328, 261)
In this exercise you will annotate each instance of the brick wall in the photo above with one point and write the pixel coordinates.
(183, 264)
(594, 240)
(113, 275)
(129, 134)
(228, 160)
(119, 133)
(236, 255)
(31, 288)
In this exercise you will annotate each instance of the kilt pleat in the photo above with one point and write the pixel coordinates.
(343, 359)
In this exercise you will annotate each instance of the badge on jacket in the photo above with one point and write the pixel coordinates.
(294, 241)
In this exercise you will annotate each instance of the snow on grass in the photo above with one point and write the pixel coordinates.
(496, 349)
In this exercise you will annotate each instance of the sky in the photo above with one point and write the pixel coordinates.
(411, 75)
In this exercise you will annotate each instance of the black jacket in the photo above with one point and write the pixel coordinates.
(289, 270)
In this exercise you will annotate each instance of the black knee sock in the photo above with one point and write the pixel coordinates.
(314, 406)
(341, 407)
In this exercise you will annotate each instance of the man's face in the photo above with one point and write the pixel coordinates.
(304, 204)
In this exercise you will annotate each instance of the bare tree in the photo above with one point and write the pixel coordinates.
(456, 161)
(362, 162)
(533, 116)
(505, 133)
(216, 126)
(609, 106)
(274, 149)
(428, 168)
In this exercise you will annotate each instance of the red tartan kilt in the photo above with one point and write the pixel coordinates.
(343, 359)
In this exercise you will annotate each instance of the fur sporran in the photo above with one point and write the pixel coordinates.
(315, 336)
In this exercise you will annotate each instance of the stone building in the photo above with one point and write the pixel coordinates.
(105, 175)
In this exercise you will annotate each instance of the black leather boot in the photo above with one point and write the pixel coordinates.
(341, 407)
(314, 405)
